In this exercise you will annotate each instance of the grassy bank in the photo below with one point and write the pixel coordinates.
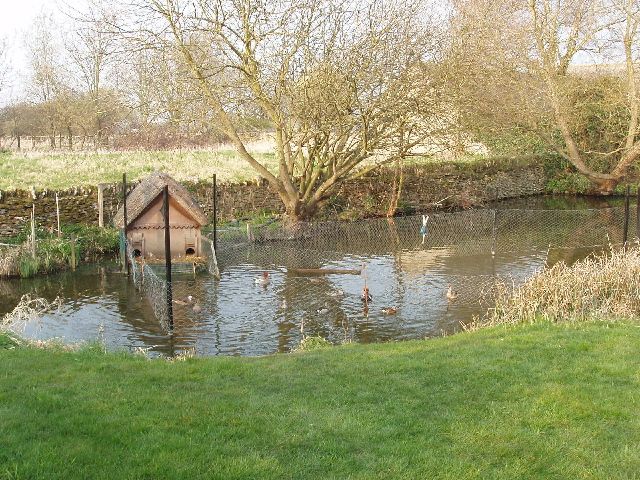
(77, 243)
(536, 401)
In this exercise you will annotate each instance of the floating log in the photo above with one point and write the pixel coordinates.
(322, 271)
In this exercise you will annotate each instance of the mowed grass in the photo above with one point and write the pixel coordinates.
(60, 170)
(536, 401)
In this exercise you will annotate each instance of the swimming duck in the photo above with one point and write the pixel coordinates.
(337, 293)
(389, 310)
(197, 308)
(366, 296)
(186, 301)
(264, 280)
(322, 311)
(451, 294)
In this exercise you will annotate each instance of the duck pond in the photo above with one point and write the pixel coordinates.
(408, 275)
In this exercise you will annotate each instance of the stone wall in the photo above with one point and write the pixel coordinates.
(425, 188)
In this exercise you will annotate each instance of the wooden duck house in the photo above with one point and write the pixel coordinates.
(145, 219)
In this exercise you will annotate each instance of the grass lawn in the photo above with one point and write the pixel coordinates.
(62, 169)
(537, 401)
(59, 170)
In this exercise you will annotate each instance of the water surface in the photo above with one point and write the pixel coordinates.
(239, 317)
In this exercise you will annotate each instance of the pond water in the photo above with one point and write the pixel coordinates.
(238, 317)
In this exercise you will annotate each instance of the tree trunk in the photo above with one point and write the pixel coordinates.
(605, 187)
(398, 180)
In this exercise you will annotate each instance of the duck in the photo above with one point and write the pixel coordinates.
(337, 293)
(197, 308)
(451, 294)
(390, 310)
(366, 296)
(283, 305)
(322, 311)
(264, 280)
(186, 301)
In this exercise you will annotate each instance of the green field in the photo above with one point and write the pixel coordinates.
(536, 401)
(62, 169)
(59, 170)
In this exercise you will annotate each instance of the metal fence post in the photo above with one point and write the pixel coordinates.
(167, 253)
(125, 222)
(495, 223)
(625, 232)
(215, 212)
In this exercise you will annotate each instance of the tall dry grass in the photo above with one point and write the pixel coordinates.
(603, 286)
(10, 260)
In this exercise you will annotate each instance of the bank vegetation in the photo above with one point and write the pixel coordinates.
(52, 252)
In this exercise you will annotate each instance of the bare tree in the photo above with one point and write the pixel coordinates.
(541, 66)
(93, 49)
(48, 78)
(341, 83)
(4, 63)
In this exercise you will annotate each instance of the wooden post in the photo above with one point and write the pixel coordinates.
(58, 214)
(125, 221)
(215, 212)
(625, 232)
(74, 261)
(167, 253)
(33, 230)
(101, 205)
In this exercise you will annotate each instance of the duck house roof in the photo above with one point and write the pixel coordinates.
(148, 190)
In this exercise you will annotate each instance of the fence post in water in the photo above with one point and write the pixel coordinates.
(495, 224)
(33, 230)
(215, 212)
(125, 221)
(74, 262)
(167, 253)
(625, 232)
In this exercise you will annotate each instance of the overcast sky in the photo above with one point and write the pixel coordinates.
(16, 16)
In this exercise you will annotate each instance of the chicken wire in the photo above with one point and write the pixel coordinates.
(469, 232)
(488, 240)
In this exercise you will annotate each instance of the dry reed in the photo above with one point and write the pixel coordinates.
(10, 260)
(602, 286)
(29, 308)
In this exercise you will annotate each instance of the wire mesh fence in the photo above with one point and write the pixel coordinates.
(468, 232)
(266, 293)
(154, 288)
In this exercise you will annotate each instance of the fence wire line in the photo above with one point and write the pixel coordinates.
(470, 232)
(406, 270)
(212, 261)
(154, 288)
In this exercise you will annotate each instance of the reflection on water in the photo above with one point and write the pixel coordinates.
(239, 317)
